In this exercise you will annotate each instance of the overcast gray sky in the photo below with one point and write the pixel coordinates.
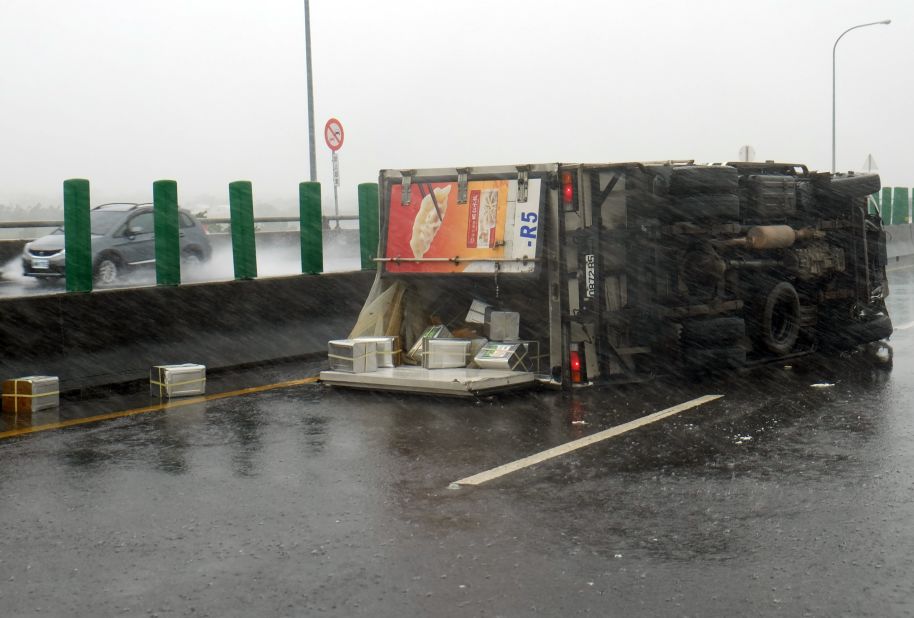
(125, 92)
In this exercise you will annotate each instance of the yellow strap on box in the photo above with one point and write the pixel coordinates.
(352, 358)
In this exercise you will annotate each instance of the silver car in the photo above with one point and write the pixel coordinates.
(123, 239)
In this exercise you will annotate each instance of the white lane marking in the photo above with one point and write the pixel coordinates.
(508, 468)
(905, 326)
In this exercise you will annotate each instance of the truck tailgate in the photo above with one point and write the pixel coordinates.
(451, 382)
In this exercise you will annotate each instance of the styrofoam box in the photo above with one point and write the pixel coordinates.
(177, 380)
(352, 355)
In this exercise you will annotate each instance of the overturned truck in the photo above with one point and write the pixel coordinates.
(620, 272)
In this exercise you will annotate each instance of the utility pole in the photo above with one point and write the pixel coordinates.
(311, 153)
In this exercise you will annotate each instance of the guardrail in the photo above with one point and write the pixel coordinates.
(242, 226)
(326, 220)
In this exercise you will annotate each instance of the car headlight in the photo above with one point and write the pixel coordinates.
(26, 248)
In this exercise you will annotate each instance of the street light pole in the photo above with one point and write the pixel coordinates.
(884, 22)
(312, 155)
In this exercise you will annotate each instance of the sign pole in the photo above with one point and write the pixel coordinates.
(333, 136)
(336, 184)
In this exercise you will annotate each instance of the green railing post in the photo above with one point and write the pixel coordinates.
(885, 205)
(312, 241)
(167, 244)
(368, 224)
(899, 205)
(77, 229)
(244, 251)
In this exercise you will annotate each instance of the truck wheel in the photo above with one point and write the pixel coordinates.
(704, 360)
(723, 206)
(858, 185)
(873, 330)
(692, 179)
(712, 333)
(780, 319)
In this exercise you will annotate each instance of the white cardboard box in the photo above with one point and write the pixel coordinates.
(177, 380)
(352, 355)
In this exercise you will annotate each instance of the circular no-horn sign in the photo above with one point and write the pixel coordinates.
(333, 134)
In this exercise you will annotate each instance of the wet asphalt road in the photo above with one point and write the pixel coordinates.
(781, 499)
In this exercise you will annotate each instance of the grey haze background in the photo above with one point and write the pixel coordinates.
(210, 91)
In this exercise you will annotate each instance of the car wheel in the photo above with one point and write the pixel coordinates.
(107, 270)
(190, 259)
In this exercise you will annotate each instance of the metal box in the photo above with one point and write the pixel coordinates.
(503, 325)
(439, 331)
(445, 353)
(352, 355)
(506, 356)
(177, 380)
(477, 313)
(30, 394)
(387, 350)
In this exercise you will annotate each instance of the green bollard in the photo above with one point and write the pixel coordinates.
(167, 244)
(899, 205)
(368, 224)
(312, 241)
(77, 229)
(244, 250)
(886, 205)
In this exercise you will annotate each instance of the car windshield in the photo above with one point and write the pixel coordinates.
(104, 220)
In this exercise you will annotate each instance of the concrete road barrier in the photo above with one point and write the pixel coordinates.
(111, 336)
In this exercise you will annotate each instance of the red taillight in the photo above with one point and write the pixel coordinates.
(205, 229)
(575, 361)
(567, 188)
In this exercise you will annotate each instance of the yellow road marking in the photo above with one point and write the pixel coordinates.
(168, 405)
(508, 468)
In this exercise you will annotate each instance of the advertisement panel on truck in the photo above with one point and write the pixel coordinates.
(434, 233)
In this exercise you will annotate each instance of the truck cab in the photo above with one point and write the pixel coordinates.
(620, 272)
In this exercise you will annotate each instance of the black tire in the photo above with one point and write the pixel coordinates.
(704, 360)
(713, 333)
(721, 206)
(866, 332)
(858, 185)
(191, 258)
(107, 270)
(694, 179)
(779, 322)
